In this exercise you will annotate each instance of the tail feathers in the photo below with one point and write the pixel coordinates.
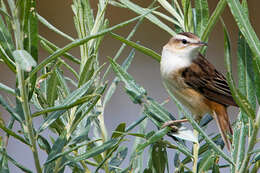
(221, 116)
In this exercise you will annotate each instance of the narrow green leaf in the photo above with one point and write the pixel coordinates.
(87, 72)
(64, 153)
(154, 138)
(136, 135)
(4, 163)
(188, 19)
(118, 158)
(205, 147)
(207, 161)
(245, 71)
(112, 88)
(7, 89)
(120, 128)
(240, 99)
(24, 59)
(170, 19)
(44, 144)
(176, 160)
(247, 88)
(173, 11)
(95, 150)
(53, 28)
(257, 78)
(235, 142)
(216, 167)
(30, 29)
(182, 148)
(137, 160)
(116, 4)
(76, 43)
(205, 120)
(82, 133)
(256, 157)
(52, 92)
(123, 46)
(70, 98)
(55, 48)
(10, 110)
(213, 20)
(202, 16)
(134, 124)
(159, 157)
(18, 108)
(4, 11)
(8, 61)
(13, 134)
(6, 38)
(109, 155)
(154, 118)
(142, 49)
(62, 82)
(241, 144)
(137, 9)
(88, 108)
(135, 91)
(245, 27)
(57, 148)
(18, 165)
(89, 17)
(157, 110)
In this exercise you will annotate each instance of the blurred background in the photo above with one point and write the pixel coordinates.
(144, 69)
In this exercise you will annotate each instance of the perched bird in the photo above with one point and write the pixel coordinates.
(195, 82)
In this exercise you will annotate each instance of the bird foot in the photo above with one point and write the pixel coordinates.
(174, 124)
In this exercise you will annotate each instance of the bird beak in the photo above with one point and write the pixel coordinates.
(202, 44)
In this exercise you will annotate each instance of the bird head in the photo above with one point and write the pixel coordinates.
(185, 43)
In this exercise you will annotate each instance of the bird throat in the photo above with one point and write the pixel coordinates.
(173, 61)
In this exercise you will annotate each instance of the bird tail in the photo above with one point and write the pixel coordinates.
(221, 116)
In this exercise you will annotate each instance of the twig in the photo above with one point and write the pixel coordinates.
(196, 147)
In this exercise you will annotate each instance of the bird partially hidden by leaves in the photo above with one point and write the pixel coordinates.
(195, 82)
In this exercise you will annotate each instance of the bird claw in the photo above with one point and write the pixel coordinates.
(174, 124)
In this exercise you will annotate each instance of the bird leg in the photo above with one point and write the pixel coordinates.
(173, 123)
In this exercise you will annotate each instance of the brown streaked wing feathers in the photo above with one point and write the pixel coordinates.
(203, 77)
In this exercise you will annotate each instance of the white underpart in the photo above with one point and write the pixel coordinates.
(174, 60)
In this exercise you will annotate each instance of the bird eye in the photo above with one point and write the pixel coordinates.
(184, 41)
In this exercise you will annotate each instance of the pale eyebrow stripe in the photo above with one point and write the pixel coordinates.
(181, 37)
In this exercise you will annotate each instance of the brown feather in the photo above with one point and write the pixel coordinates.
(222, 119)
(202, 76)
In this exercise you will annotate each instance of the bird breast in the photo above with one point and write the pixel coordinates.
(171, 70)
(173, 61)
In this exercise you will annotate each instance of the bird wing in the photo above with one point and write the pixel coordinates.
(204, 78)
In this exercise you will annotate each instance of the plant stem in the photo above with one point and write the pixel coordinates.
(252, 142)
(196, 147)
(28, 119)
